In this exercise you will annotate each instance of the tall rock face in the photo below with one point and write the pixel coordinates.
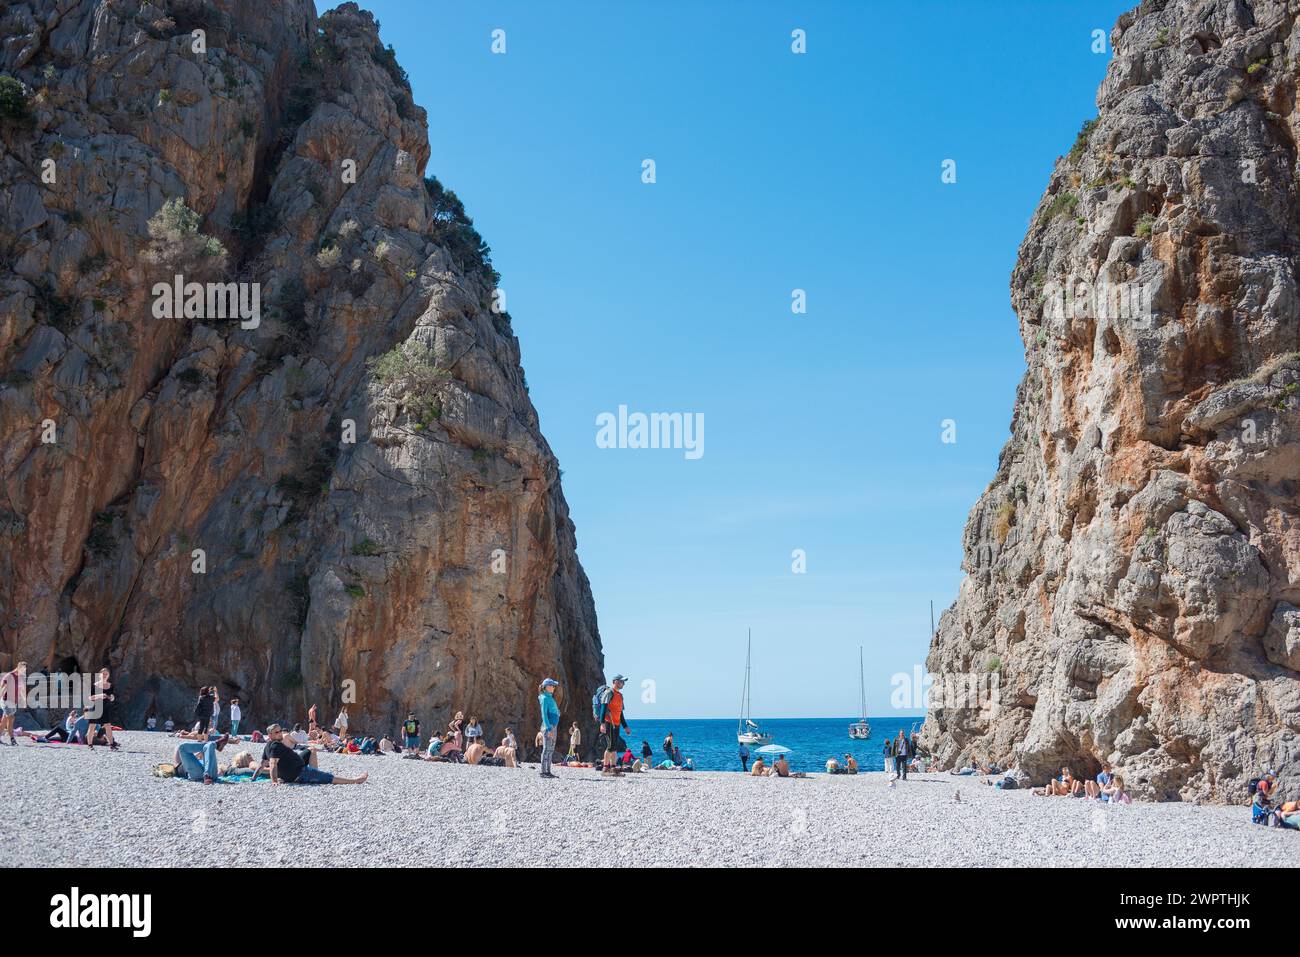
(1133, 570)
(349, 499)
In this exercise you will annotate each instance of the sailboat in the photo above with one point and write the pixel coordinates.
(747, 730)
(860, 730)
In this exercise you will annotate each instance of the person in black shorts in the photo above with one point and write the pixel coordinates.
(104, 695)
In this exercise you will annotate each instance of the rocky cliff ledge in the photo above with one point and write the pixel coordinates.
(184, 499)
(1133, 571)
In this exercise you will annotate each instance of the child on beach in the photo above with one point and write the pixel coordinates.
(235, 715)
(575, 740)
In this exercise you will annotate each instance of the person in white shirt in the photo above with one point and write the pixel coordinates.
(235, 715)
(341, 722)
(151, 724)
(169, 725)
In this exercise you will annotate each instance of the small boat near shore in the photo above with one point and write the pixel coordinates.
(747, 730)
(860, 730)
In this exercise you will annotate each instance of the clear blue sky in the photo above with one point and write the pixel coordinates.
(775, 171)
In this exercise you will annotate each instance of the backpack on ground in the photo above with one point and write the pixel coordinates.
(599, 700)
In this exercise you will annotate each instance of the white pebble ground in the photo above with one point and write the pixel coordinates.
(67, 806)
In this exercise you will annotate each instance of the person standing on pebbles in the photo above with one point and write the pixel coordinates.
(613, 716)
(550, 722)
(104, 694)
(13, 688)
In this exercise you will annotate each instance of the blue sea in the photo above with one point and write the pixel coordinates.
(711, 742)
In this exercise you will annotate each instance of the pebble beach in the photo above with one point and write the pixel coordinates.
(67, 806)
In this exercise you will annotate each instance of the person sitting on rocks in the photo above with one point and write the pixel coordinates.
(850, 764)
(780, 768)
(758, 769)
(1065, 785)
(1103, 787)
(474, 753)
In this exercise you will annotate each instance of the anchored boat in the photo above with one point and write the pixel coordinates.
(860, 730)
(748, 731)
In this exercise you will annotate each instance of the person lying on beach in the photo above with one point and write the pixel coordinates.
(197, 760)
(289, 766)
(62, 733)
(758, 769)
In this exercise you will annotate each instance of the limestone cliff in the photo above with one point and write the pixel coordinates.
(1133, 570)
(183, 499)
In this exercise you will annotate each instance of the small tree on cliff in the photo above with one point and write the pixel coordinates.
(176, 244)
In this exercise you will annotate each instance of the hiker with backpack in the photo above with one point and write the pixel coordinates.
(607, 708)
(550, 722)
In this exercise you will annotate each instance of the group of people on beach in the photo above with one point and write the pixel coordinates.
(1107, 787)
(89, 726)
(1266, 809)
(290, 756)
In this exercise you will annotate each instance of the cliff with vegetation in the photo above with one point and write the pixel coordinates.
(1133, 570)
(346, 497)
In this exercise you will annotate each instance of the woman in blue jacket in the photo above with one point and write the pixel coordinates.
(550, 722)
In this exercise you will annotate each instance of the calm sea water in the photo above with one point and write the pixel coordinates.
(712, 741)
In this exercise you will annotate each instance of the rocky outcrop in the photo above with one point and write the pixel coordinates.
(349, 497)
(1133, 570)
